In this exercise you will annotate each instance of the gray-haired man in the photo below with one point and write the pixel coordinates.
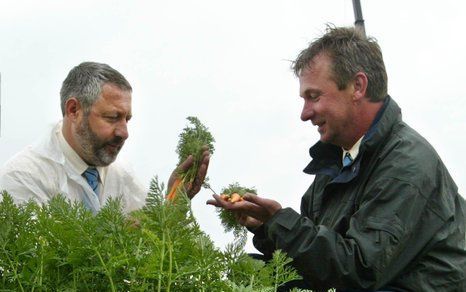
(77, 159)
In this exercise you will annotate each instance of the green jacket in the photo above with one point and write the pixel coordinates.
(392, 220)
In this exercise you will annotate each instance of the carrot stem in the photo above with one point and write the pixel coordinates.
(172, 194)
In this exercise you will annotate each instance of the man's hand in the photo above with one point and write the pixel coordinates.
(195, 187)
(246, 220)
(259, 209)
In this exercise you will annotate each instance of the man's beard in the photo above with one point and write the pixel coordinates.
(96, 150)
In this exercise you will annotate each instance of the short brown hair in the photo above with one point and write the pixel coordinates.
(350, 52)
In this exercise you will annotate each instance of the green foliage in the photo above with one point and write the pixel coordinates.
(227, 218)
(249, 274)
(61, 246)
(191, 141)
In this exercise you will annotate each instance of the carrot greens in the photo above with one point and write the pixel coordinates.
(227, 218)
(191, 142)
(61, 246)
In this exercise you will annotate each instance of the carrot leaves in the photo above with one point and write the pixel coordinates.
(191, 142)
(61, 246)
(227, 218)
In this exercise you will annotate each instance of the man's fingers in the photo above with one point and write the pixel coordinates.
(201, 174)
(257, 213)
(212, 202)
(267, 207)
(257, 199)
(253, 198)
(219, 202)
(196, 185)
(185, 165)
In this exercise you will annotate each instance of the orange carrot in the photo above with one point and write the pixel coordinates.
(235, 197)
(171, 195)
(224, 197)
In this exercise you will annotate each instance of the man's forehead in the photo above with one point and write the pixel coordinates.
(319, 66)
(114, 87)
(113, 97)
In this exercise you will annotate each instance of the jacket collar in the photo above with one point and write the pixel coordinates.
(55, 148)
(387, 117)
(48, 146)
(326, 158)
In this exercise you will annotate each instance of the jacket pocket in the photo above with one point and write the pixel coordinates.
(391, 226)
(386, 234)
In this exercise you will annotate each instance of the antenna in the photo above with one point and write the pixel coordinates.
(359, 21)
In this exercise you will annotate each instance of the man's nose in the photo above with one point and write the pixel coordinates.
(122, 130)
(307, 112)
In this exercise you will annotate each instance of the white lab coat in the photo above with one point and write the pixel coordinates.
(41, 171)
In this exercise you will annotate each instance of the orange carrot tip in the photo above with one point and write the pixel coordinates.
(172, 194)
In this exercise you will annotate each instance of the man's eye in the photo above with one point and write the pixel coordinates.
(314, 97)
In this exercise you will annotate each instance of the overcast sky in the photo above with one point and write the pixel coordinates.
(228, 63)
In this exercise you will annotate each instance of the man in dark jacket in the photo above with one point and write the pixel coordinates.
(383, 212)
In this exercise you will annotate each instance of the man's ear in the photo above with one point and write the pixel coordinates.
(73, 108)
(360, 85)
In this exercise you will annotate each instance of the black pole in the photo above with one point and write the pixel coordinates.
(359, 21)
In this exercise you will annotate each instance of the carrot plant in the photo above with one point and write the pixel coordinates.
(191, 142)
(61, 246)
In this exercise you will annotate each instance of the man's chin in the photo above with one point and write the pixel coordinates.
(105, 159)
(325, 139)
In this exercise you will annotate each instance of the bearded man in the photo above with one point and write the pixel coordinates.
(77, 159)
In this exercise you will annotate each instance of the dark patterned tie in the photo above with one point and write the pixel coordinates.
(92, 176)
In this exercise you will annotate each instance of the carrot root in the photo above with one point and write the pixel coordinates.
(235, 197)
(172, 194)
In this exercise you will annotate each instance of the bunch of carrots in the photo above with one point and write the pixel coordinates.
(193, 139)
(233, 193)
